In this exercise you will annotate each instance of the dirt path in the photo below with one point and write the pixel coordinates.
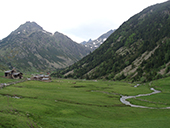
(2, 85)
(124, 98)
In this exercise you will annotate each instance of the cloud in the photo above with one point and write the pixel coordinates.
(91, 30)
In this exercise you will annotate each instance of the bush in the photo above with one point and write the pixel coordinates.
(167, 69)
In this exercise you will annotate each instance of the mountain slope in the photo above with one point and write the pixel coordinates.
(94, 44)
(137, 51)
(31, 48)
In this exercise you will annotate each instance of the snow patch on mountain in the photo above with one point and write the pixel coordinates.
(94, 44)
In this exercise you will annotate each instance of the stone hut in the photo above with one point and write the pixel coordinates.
(17, 75)
(9, 73)
(13, 74)
(41, 78)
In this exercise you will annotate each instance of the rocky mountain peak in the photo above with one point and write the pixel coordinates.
(31, 48)
(94, 44)
(27, 28)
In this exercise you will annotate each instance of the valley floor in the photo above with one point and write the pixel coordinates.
(68, 103)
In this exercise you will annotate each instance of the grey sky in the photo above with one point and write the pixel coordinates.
(78, 19)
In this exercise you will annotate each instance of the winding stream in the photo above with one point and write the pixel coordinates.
(124, 98)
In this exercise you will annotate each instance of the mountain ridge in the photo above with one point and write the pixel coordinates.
(94, 44)
(30, 47)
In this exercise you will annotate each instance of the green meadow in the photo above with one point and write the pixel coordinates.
(66, 103)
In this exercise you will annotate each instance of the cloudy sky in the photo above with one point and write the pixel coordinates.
(78, 19)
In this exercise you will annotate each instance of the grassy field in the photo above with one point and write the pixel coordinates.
(65, 103)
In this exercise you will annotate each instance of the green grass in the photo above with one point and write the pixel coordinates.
(65, 103)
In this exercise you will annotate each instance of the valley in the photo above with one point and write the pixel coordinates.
(83, 103)
(121, 79)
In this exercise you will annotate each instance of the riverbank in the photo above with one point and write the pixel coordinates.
(123, 99)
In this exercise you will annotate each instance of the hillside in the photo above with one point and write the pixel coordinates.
(30, 48)
(94, 44)
(138, 50)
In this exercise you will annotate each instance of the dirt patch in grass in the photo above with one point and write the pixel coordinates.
(78, 86)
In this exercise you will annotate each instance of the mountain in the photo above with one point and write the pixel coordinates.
(139, 50)
(86, 42)
(94, 44)
(30, 48)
